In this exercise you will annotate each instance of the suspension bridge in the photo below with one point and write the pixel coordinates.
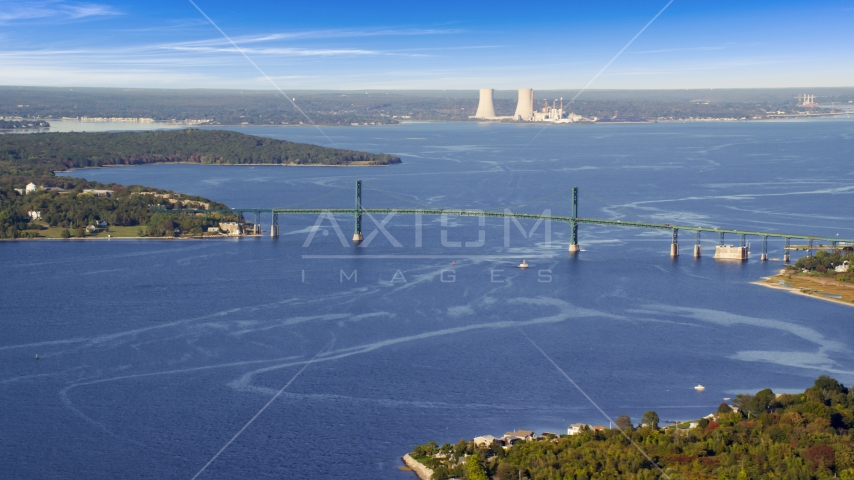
(723, 251)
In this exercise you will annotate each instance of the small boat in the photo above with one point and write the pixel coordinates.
(699, 388)
(524, 264)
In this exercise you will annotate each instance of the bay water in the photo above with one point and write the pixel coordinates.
(153, 354)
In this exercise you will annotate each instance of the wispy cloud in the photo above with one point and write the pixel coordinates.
(286, 51)
(52, 11)
(328, 34)
(696, 49)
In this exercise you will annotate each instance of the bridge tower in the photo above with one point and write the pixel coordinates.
(674, 247)
(274, 226)
(357, 227)
(698, 249)
(573, 243)
(764, 256)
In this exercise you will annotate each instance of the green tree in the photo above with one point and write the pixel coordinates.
(474, 470)
(624, 422)
(760, 403)
(65, 234)
(724, 409)
(650, 419)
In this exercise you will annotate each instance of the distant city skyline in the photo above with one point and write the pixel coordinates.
(436, 45)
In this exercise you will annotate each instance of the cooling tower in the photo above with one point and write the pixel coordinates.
(525, 107)
(485, 109)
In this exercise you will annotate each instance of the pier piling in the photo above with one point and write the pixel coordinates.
(698, 249)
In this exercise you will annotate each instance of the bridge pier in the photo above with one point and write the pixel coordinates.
(573, 242)
(357, 227)
(257, 228)
(274, 226)
(786, 256)
(764, 256)
(698, 249)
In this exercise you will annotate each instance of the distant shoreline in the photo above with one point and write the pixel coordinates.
(222, 165)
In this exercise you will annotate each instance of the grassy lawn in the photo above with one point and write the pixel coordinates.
(115, 232)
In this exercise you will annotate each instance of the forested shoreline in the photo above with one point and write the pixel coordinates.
(40, 153)
(34, 202)
(804, 436)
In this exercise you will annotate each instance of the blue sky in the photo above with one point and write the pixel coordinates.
(439, 44)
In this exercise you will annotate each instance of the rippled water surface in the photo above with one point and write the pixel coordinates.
(154, 353)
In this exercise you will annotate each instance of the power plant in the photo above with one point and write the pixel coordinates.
(524, 109)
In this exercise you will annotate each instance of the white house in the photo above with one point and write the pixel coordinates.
(34, 215)
(842, 268)
(31, 187)
(576, 428)
(485, 440)
(101, 224)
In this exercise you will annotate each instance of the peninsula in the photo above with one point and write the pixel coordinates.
(827, 275)
(35, 203)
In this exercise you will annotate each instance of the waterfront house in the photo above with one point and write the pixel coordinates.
(577, 428)
(519, 435)
(486, 440)
(101, 224)
(842, 268)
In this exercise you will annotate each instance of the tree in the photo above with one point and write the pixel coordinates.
(650, 419)
(65, 234)
(760, 402)
(474, 470)
(825, 383)
(741, 400)
(724, 409)
(506, 471)
(624, 422)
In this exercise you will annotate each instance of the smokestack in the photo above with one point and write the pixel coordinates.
(485, 109)
(525, 106)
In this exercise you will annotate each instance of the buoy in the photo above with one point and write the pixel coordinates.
(37, 356)
(452, 263)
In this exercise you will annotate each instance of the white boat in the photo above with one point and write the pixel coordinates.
(699, 388)
(524, 264)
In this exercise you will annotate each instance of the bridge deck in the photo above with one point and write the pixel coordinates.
(528, 216)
